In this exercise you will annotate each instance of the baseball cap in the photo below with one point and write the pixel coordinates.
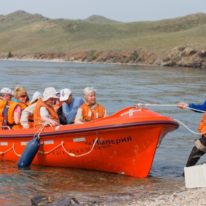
(64, 94)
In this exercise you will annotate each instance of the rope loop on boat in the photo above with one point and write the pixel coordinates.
(5, 127)
(79, 155)
(6, 151)
(18, 155)
(48, 152)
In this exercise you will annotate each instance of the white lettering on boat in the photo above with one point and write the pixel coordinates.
(80, 139)
(3, 143)
(114, 141)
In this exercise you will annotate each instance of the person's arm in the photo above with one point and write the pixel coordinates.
(198, 106)
(17, 114)
(24, 120)
(79, 118)
(192, 106)
(45, 117)
(105, 113)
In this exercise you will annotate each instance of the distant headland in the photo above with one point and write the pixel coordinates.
(171, 42)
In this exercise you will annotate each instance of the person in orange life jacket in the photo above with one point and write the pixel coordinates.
(90, 110)
(200, 145)
(5, 106)
(44, 112)
(68, 110)
(6, 94)
(21, 97)
(27, 114)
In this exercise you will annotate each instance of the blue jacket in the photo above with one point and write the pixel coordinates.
(198, 106)
(70, 111)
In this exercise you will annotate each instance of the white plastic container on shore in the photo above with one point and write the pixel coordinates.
(195, 176)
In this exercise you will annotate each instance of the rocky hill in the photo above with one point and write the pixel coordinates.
(170, 42)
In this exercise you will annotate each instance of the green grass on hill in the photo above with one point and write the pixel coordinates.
(21, 32)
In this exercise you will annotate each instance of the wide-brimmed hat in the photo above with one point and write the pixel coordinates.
(64, 94)
(35, 96)
(6, 90)
(49, 92)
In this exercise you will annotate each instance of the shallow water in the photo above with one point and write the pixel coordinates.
(117, 86)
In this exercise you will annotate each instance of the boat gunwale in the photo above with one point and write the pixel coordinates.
(93, 129)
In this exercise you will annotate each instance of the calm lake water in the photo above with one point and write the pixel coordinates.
(117, 86)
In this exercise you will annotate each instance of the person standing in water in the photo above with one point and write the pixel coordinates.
(199, 148)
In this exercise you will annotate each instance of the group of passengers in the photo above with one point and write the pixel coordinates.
(51, 108)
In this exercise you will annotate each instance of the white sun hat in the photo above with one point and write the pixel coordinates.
(6, 90)
(64, 94)
(35, 96)
(49, 92)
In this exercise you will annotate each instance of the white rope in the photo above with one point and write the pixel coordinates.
(186, 127)
(46, 153)
(2, 153)
(39, 131)
(166, 105)
(75, 155)
(158, 105)
(174, 105)
(53, 149)
(18, 155)
(5, 127)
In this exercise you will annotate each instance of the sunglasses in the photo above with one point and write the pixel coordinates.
(23, 96)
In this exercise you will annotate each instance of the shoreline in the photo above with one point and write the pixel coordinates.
(181, 197)
(184, 197)
(177, 57)
(73, 61)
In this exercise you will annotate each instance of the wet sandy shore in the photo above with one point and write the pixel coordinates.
(185, 197)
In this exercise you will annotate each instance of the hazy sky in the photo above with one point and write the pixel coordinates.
(122, 10)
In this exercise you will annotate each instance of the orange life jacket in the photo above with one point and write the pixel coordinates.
(9, 118)
(23, 105)
(202, 125)
(12, 107)
(37, 116)
(91, 113)
(3, 104)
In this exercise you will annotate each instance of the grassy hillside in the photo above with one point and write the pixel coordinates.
(21, 32)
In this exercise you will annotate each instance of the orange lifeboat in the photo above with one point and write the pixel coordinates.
(123, 143)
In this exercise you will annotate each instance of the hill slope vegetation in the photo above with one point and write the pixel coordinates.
(22, 33)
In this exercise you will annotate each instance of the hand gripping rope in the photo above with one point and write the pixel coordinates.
(142, 105)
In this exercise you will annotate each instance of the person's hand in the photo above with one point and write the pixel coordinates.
(51, 122)
(182, 105)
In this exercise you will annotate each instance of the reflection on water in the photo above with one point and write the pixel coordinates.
(117, 86)
(18, 187)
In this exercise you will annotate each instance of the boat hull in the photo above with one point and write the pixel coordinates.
(126, 147)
